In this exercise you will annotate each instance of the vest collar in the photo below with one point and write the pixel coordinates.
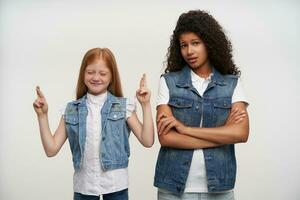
(110, 98)
(186, 82)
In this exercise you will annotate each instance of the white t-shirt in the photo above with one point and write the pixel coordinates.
(91, 179)
(197, 180)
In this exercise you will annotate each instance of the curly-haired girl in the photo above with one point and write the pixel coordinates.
(201, 113)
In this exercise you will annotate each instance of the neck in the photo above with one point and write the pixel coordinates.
(97, 93)
(203, 71)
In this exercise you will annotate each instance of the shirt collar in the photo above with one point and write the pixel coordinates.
(96, 99)
(196, 78)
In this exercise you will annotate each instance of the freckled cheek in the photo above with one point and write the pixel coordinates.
(88, 77)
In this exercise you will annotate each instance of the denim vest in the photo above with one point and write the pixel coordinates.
(114, 145)
(188, 106)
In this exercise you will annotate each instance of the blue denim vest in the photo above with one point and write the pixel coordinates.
(114, 147)
(188, 106)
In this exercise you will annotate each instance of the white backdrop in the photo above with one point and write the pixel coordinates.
(43, 42)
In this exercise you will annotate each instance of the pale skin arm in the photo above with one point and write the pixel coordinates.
(51, 143)
(236, 129)
(143, 131)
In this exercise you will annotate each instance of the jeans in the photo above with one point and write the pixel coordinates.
(166, 195)
(120, 195)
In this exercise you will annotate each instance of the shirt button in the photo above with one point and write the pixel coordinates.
(115, 116)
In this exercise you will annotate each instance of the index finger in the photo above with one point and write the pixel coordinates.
(39, 92)
(160, 116)
(143, 81)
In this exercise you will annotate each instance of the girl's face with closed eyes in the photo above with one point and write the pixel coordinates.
(97, 77)
(193, 50)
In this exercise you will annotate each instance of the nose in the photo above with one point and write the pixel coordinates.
(190, 50)
(97, 77)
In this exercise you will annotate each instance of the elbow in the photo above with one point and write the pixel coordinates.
(162, 140)
(50, 153)
(149, 144)
(243, 137)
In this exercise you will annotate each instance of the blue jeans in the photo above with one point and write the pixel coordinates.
(120, 195)
(166, 195)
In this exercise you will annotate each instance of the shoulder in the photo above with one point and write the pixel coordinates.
(231, 79)
(72, 105)
(172, 74)
(121, 100)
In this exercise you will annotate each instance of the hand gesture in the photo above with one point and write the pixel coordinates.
(40, 104)
(143, 93)
(165, 124)
(235, 116)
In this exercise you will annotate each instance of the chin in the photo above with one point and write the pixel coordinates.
(194, 66)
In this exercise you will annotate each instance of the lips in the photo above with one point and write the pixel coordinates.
(96, 84)
(192, 60)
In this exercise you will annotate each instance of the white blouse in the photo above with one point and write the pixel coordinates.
(91, 179)
(197, 180)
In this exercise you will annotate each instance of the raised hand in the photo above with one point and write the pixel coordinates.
(40, 104)
(143, 93)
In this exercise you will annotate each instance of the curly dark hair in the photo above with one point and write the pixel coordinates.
(217, 44)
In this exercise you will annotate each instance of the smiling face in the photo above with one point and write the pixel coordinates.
(97, 77)
(193, 51)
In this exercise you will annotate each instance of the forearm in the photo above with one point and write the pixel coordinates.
(175, 140)
(47, 138)
(227, 134)
(147, 135)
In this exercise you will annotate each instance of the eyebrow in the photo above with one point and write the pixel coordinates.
(191, 40)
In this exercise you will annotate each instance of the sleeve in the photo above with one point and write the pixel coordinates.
(238, 94)
(62, 109)
(163, 92)
(130, 106)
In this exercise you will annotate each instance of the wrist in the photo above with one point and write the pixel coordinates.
(146, 104)
(186, 130)
(42, 115)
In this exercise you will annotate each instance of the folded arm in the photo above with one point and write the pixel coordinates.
(177, 140)
(234, 131)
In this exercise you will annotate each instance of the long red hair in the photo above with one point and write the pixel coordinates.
(108, 57)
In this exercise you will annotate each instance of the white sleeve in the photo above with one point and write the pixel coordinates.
(163, 92)
(130, 106)
(238, 93)
(62, 109)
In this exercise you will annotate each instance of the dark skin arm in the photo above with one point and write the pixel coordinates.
(171, 131)
(177, 140)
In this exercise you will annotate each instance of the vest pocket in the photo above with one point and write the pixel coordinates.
(115, 123)
(223, 104)
(181, 108)
(180, 102)
(72, 127)
(114, 116)
(222, 108)
(116, 136)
